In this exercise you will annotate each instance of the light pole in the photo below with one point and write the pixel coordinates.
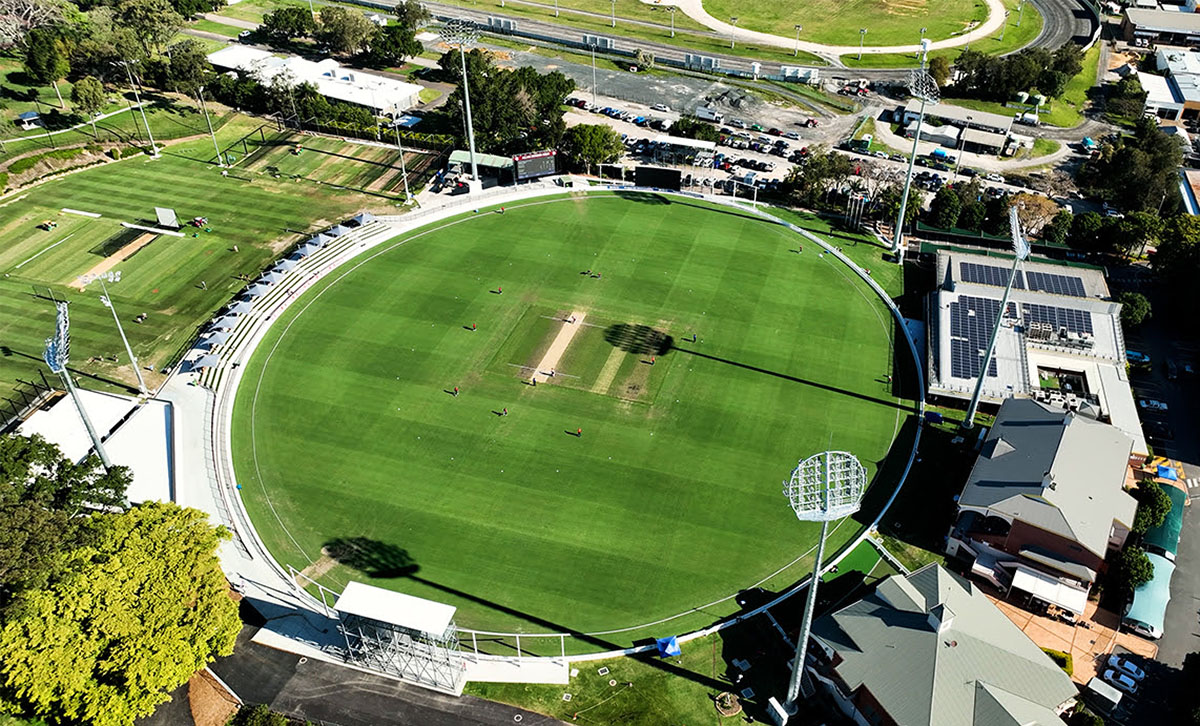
(962, 147)
(614, 12)
(921, 85)
(57, 354)
(733, 31)
(593, 46)
(463, 31)
(924, 49)
(672, 10)
(107, 300)
(822, 488)
(138, 98)
(862, 36)
(798, 29)
(403, 173)
(200, 96)
(555, 7)
(1020, 252)
(1020, 12)
(1005, 28)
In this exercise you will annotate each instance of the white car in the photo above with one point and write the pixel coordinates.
(1126, 666)
(995, 178)
(1151, 405)
(1121, 680)
(661, 107)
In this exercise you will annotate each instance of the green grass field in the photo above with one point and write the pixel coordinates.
(348, 437)
(250, 211)
(367, 167)
(837, 22)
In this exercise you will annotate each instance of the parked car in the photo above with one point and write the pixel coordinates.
(1122, 664)
(661, 107)
(993, 177)
(880, 155)
(1172, 370)
(1121, 680)
(1135, 357)
(792, 135)
(244, 36)
(1149, 404)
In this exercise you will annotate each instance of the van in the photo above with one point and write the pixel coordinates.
(1102, 697)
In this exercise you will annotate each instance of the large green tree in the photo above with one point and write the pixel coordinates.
(287, 23)
(1134, 568)
(411, 14)
(945, 208)
(87, 95)
(141, 608)
(47, 59)
(188, 68)
(391, 46)
(344, 31)
(152, 22)
(590, 144)
(33, 470)
(1153, 506)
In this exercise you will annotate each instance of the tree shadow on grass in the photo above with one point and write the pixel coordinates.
(383, 560)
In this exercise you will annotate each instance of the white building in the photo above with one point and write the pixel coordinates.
(384, 96)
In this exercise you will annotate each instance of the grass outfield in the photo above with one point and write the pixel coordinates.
(347, 436)
(837, 22)
(251, 212)
(368, 167)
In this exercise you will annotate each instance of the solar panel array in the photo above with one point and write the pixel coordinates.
(988, 275)
(1077, 321)
(1056, 284)
(971, 323)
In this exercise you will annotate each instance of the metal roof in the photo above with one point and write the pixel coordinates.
(1065, 473)
(489, 160)
(1048, 588)
(1166, 21)
(979, 670)
(395, 608)
(1150, 600)
(1165, 537)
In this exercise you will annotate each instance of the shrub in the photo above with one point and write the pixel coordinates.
(1061, 659)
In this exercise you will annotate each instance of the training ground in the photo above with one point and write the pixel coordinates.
(357, 461)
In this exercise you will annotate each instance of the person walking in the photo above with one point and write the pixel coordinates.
(456, 391)
(579, 432)
(472, 327)
(504, 412)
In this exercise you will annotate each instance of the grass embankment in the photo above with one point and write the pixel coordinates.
(837, 22)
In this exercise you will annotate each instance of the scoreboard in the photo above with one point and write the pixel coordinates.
(535, 164)
(658, 176)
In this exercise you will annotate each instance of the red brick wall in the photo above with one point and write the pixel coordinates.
(1023, 535)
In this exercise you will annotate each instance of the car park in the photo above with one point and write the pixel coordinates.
(1120, 680)
(1149, 404)
(1123, 664)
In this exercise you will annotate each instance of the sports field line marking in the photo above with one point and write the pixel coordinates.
(609, 371)
(113, 260)
(56, 244)
(93, 215)
(555, 352)
(557, 374)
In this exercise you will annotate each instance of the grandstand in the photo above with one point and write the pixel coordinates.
(1060, 338)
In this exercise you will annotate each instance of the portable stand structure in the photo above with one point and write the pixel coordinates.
(406, 637)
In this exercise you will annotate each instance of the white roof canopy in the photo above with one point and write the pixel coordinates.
(1048, 588)
(396, 608)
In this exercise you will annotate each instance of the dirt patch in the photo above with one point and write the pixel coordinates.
(112, 260)
(318, 569)
(572, 324)
(210, 703)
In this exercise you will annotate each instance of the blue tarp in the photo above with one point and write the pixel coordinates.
(668, 647)
(1167, 472)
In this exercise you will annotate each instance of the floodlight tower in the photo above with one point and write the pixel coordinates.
(57, 355)
(922, 86)
(822, 488)
(1020, 251)
(462, 31)
(107, 300)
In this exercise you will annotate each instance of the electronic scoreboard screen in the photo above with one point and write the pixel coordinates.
(659, 177)
(535, 164)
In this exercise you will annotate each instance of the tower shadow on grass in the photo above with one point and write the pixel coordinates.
(381, 560)
(639, 339)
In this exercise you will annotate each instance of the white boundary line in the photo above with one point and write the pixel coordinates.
(408, 223)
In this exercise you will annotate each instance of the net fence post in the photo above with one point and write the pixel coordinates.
(518, 649)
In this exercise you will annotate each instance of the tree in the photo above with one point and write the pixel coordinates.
(1134, 568)
(691, 127)
(1034, 210)
(152, 22)
(87, 95)
(643, 59)
(1153, 506)
(1085, 231)
(344, 31)
(19, 17)
(945, 208)
(32, 542)
(939, 68)
(287, 23)
(972, 216)
(411, 15)
(391, 46)
(144, 606)
(47, 59)
(593, 144)
(105, 42)
(33, 470)
(1059, 228)
(1178, 254)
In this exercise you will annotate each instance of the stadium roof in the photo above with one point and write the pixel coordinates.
(958, 115)
(493, 161)
(379, 93)
(1058, 471)
(395, 608)
(1165, 537)
(932, 649)
(1150, 600)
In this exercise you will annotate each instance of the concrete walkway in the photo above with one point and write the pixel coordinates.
(694, 9)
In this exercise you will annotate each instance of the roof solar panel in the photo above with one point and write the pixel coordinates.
(1077, 321)
(971, 323)
(989, 275)
(1068, 285)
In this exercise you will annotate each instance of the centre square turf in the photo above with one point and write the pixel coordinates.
(357, 461)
